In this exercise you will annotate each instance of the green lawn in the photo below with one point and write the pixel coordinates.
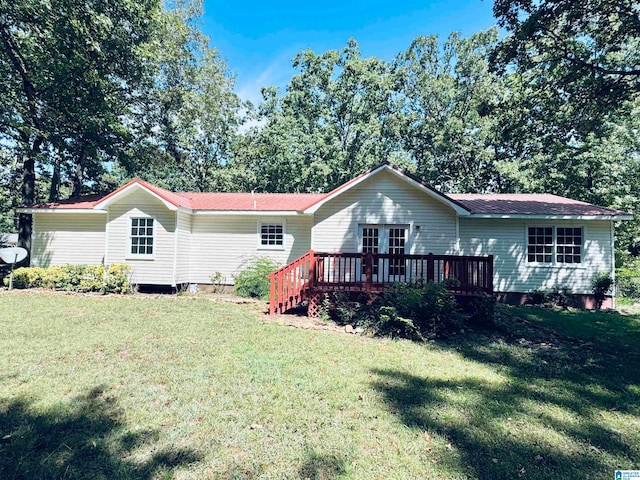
(175, 387)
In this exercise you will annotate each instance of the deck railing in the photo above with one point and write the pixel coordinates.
(375, 272)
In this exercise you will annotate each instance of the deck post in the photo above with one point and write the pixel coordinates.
(312, 269)
(490, 275)
(272, 297)
(368, 271)
(430, 268)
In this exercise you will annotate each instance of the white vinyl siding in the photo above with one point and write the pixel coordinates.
(183, 246)
(62, 238)
(506, 239)
(385, 199)
(159, 269)
(221, 243)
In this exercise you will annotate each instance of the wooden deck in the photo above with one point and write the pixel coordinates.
(318, 272)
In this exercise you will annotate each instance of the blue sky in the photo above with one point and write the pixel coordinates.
(259, 39)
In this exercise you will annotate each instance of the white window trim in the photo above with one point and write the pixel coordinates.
(383, 235)
(278, 221)
(554, 263)
(138, 256)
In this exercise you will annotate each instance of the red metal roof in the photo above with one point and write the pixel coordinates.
(253, 201)
(528, 204)
(86, 201)
(479, 204)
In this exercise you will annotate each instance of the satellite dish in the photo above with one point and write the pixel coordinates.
(13, 254)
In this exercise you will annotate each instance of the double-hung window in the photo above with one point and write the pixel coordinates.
(141, 237)
(271, 235)
(559, 245)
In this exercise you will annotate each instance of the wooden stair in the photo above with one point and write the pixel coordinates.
(291, 283)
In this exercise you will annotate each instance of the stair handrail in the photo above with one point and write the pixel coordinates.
(295, 287)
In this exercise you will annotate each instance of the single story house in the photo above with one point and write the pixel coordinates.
(537, 241)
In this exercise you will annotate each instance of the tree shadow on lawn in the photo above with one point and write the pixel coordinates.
(85, 439)
(319, 466)
(546, 418)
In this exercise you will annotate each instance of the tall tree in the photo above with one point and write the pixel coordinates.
(327, 127)
(588, 49)
(189, 116)
(67, 67)
(445, 93)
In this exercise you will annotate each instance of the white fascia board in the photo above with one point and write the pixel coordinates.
(552, 217)
(458, 209)
(126, 191)
(261, 213)
(59, 210)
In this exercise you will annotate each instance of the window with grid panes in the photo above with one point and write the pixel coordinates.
(370, 244)
(568, 245)
(397, 240)
(540, 245)
(272, 235)
(142, 236)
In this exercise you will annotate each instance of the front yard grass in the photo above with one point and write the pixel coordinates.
(174, 387)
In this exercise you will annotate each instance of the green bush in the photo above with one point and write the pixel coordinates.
(252, 280)
(348, 308)
(600, 286)
(407, 310)
(480, 310)
(562, 297)
(75, 278)
(430, 306)
(628, 282)
(538, 296)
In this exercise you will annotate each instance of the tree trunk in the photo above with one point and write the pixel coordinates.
(78, 178)
(25, 221)
(54, 189)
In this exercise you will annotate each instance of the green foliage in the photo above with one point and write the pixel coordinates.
(589, 49)
(252, 280)
(407, 310)
(76, 278)
(537, 296)
(562, 297)
(600, 286)
(628, 282)
(480, 310)
(218, 281)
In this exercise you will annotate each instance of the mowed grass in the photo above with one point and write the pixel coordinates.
(174, 387)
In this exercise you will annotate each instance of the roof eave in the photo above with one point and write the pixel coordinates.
(625, 216)
(266, 213)
(58, 210)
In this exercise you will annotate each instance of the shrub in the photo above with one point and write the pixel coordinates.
(218, 282)
(76, 278)
(391, 324)
(407, 310)
(628, 282)
(538, 296)
(600, 286)
(432, 308)
(348, 308)
(480, 310)
(561, 297)
(252, 280)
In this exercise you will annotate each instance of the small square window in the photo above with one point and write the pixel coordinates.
(271, 235)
